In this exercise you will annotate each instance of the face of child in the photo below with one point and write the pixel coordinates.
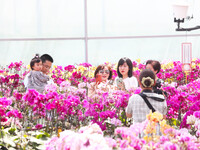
(149, 66)
(104, 74)
(123, 69)
(37, 66)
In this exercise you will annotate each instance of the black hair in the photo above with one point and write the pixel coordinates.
(130, 65)
(46, 57)
(147, 73)
(155, 64)
(36, 59)
(101, 67)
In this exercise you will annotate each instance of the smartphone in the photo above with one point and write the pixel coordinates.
(120, 83)
(98, 78)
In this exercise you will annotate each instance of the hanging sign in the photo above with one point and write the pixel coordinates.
(186, 56)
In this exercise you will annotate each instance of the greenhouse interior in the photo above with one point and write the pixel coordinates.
(100, 74)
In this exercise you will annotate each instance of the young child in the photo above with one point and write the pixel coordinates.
(139, 105)
(36, 79)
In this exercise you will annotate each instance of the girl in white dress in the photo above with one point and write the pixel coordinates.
(125, 79)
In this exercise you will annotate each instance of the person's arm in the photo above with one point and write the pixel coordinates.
(164, 109)
(129, 109)
(26, 80)
(115, 84)
(92, 89)
(128, 115)
(135, 105)
(41, 77)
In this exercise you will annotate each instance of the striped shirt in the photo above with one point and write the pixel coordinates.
(139, 109)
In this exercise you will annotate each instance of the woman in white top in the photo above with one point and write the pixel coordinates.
(125, 79)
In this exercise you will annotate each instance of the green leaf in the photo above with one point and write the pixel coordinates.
(2, 134)
(12, 131)
(1, 145)
(175, 122)
(39, 136)
(47, 134)
(43, 136)
(16, 139)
